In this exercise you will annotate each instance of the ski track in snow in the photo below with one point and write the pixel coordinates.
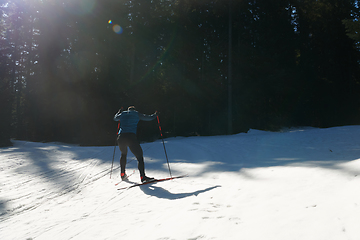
(65, 178)
(297, 184)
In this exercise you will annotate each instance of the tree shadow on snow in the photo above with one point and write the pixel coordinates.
(326, 148)
(160, 192)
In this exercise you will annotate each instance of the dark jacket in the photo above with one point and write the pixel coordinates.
(130, 119)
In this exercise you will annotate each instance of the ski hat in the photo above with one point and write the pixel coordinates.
(131, 108)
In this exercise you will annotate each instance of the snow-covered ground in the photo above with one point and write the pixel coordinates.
(297, 184)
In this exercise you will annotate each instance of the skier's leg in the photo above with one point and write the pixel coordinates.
(136, 149)
(123, 148)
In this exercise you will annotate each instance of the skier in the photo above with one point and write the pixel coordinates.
(127, 138)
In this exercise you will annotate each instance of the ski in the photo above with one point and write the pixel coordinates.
(152, 181)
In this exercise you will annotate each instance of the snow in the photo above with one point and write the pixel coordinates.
(296, 184)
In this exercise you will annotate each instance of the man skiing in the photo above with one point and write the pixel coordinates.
(127, 138)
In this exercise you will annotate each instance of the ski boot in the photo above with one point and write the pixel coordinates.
(124, 176)
(145, 179)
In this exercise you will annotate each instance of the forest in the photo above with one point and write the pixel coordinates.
(209, 67)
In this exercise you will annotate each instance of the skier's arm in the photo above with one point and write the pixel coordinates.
(145, 117)
(117, 116)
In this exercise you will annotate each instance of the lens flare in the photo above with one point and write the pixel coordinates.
(110, 22)
(117, 29)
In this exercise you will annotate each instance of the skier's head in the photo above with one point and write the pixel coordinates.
(131, 108)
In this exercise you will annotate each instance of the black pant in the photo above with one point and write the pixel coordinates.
(126, 140)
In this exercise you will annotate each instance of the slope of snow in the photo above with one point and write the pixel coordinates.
(296, 184)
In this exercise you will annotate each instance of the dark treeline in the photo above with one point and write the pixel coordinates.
(67, 66)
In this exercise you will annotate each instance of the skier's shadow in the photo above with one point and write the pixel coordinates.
(160, 192)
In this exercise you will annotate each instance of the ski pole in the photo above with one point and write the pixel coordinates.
(162, 138)
(112, 164)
